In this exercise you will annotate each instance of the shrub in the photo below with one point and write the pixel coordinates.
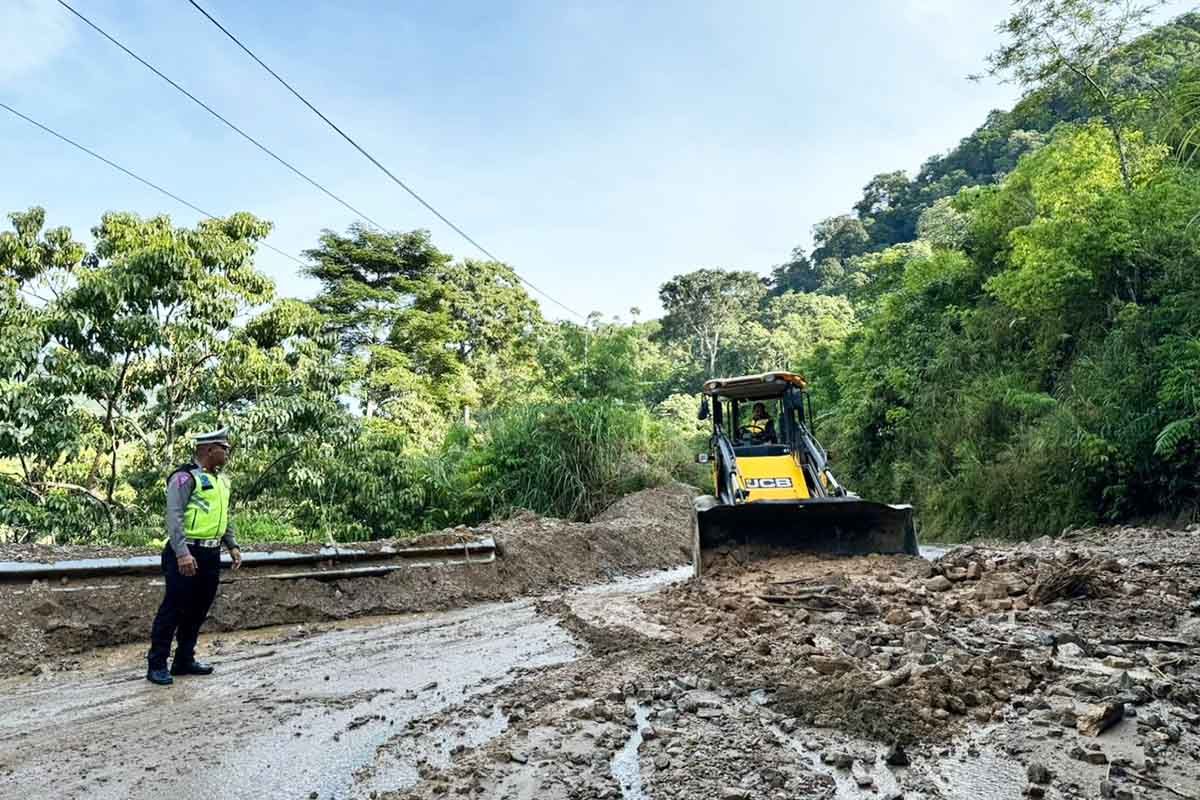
(569, 460)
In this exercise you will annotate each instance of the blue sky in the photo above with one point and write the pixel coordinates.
(600, 148)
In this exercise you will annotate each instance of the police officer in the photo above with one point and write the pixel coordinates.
(198, 523)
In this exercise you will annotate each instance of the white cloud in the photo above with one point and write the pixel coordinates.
(32, 34)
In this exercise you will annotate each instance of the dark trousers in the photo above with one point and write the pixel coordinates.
(185, 605)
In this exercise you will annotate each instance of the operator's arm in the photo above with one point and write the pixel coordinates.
(179, 491)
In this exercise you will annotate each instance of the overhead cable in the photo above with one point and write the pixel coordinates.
(412, 192)
(294, 169)
(134, 175)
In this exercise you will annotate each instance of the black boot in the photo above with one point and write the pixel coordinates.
(191, 668)
(160, 676)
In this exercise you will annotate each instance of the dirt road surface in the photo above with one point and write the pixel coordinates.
(1065, 668)
(290, 711)
(294, 710)
(1058, 669)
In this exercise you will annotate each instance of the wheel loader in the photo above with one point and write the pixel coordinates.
(775, 493)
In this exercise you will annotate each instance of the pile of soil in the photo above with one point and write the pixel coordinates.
(43, 625)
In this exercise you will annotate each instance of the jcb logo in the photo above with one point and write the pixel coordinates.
(769, 483)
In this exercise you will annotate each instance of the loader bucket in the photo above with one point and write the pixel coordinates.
(832, 525)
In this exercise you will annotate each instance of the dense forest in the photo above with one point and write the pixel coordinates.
(1009, 340)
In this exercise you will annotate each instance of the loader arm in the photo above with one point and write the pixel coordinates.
(729, 484)
(817, 459)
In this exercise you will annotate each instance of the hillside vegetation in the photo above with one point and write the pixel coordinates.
(1009, 340)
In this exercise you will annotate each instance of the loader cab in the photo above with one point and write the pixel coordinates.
(756, 424)
(761, 446)
(786, 412)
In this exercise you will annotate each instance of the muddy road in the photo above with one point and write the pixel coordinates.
(291, 711)
(1058, 669)
(1065, 668)
(324, 709)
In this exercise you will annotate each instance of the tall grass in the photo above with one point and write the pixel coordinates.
(570, 460)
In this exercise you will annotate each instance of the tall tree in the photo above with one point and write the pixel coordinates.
(485, 323)
(39, 425)
(886, 210)
(368, 281)
(1075, 40)
(841, 237)
(705, 306)
(428, 336)
(797, 274)
(144, 319)
(367, 278)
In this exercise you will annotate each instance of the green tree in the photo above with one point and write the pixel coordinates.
(1054, 40)
(807, 322)
(607, 360)
(707, 306)
(426, 337)
(886, 209)
(40, 426)
(841, 238)
(1077, 247)
(101, 372)
(490, 325)
(279, 384)
(368, 281)
(143, 319)
(944, 226)
(798, 274)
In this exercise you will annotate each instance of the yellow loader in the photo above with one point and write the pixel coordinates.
(775, 493)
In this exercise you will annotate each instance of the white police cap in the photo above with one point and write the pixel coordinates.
(213, 437)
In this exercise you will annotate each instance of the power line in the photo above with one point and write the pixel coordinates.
(372, 158)
(210, 110)
(134, 175)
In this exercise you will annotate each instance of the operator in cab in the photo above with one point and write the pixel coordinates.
(761, 428)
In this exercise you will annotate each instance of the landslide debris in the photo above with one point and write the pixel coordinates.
(1058, 668)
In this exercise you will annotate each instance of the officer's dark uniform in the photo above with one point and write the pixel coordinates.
(198, 522)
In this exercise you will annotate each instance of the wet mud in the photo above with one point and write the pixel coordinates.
(1066, 668)
(979, 675)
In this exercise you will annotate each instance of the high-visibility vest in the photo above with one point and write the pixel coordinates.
(756, 427)
(207, 512)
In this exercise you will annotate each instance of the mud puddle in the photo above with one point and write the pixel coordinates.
(973, 767)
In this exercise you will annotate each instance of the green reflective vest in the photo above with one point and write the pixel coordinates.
(207, 512)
